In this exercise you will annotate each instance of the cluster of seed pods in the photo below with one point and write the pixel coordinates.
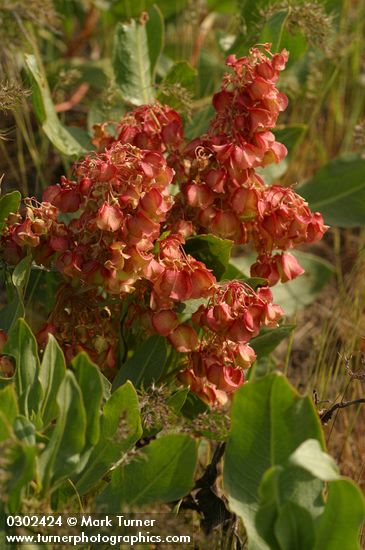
(116, 232)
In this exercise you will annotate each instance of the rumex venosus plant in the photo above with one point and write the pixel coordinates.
(116, 231)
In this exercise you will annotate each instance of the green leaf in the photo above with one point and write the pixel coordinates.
(120, 429)
(182, 75)
(8, 203)
(269, 339)
(344, 514)
(22, 346)
(51, 374)
(273, 30)
(212, 251)
(268, 436)
(15, 309)
(193, 406)
(177, 399)
(155, 36)
(45, 111)
(311, 458)
(163, 472)
(8, 410)
(337, 190)
(62, 454)
(281, 486)
(294, 528)
(24, 429)
(11, 312)
(131, 63)
(146, 365)
(134, 8)
(21, 274)
(8, 403)
(89, 380)
(222, 6)
(21, 470)
(81, 136)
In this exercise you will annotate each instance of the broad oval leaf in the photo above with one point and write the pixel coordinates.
(62, 453)
(120, 429)
(272, 411)
(337, 190)
(46, 114)
(274, 29)
(163, 472)
(22, 346)
(294, 528)
(51, 374)
(8, 411)
(155, 36)
(90, 383)
(181, 74)
(212, 251)
(21, 274)
(269, 339)
(21, 470)
(312, 458)
(131, 63)
(146, 365)
(340, 524)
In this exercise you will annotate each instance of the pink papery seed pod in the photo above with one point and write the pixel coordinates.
(225, 224)
(316, 228)
(164, 322)
(202, 281)
(245, 202)
(199, 196)
(154, 204)
(219, 317)
(244, 356)
(184, 339)
(24, 236)
(266, 268)
(174, 284)
(139, 226)
(288, 267)
(58, 243)
(238, 332)
(109, 218)
(225, 378)
(215, 179)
